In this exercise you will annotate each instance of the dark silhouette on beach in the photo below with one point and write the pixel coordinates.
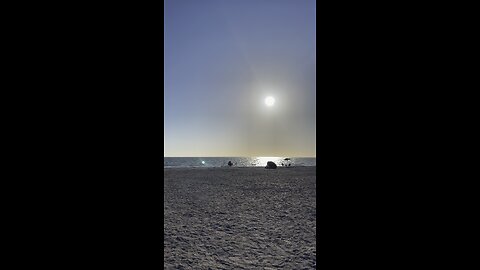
(271, 165)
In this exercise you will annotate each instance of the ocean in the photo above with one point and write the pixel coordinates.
(193, 162)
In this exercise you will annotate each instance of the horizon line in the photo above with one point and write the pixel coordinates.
(241, 156)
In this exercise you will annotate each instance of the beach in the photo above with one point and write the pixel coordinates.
(240, 218)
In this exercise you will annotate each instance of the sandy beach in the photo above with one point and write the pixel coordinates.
(240, 218)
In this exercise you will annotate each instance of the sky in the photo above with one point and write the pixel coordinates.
(222, 59)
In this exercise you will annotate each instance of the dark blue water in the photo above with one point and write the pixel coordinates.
(186, 162)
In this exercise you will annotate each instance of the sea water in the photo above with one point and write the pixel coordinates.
(186, 162)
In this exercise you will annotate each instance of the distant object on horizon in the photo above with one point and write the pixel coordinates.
(287, 164)
(271, 165)
(230, 163)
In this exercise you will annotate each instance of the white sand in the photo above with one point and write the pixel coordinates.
(240, 218)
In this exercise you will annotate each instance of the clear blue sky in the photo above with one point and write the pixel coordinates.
(222, 59)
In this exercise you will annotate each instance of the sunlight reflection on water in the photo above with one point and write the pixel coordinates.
(237, 161)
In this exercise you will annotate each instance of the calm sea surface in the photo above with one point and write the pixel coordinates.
(185, 162)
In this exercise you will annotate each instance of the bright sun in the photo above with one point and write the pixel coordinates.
(269, 101)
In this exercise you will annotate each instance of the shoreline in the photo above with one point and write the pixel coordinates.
(239, 167)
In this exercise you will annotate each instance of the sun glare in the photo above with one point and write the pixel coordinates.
(269, 101)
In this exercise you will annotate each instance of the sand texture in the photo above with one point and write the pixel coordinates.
(240, 218)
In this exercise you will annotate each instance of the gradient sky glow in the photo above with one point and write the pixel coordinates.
(222, 59)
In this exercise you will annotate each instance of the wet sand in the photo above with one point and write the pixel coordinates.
(240, 218)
